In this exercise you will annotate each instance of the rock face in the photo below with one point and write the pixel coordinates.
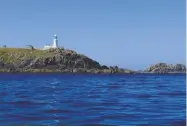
(53, 60)
(166, 68)
(61, 60)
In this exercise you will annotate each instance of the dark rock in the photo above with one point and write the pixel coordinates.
(53, 60)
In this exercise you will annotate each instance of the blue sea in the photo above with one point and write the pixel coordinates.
(92, 99)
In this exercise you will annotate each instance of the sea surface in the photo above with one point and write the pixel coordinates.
(92, 99)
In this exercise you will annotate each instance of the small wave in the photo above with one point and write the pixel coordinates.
(122, 116)
(58, 111)
(178, 123)
(114, 86)
(56, 82)
(173, 93)
(146, 96)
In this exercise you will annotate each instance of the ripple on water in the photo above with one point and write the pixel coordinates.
(66, 99)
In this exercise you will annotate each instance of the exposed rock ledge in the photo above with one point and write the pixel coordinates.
(53, 60)
(67, 61)
(166, 68)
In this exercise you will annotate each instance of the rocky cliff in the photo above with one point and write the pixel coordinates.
(53, 60)
(63, 60)
(166, 68)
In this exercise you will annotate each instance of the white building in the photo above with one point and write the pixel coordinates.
(55, 44)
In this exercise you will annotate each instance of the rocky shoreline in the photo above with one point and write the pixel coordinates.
(166, 68)
(67, 61)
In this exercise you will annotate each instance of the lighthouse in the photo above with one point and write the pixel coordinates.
(54, 45)
(55, 41)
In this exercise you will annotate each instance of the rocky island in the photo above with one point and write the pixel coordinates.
(166, 68)
(52, 60)
(66, 61)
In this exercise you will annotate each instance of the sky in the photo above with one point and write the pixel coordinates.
(131, 34)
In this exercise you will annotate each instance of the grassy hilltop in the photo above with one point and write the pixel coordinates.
(52, 60)
(64, 60)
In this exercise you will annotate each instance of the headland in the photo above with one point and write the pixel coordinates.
(67, 61)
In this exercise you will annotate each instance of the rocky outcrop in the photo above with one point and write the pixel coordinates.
(63, 60)
(53, 60)
(166, 68)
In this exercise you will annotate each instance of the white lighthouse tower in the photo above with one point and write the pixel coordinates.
(54, 45)
(55, 41)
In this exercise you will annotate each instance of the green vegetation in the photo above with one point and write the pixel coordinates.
(53, 60)
(9, 55)
(65, 60)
